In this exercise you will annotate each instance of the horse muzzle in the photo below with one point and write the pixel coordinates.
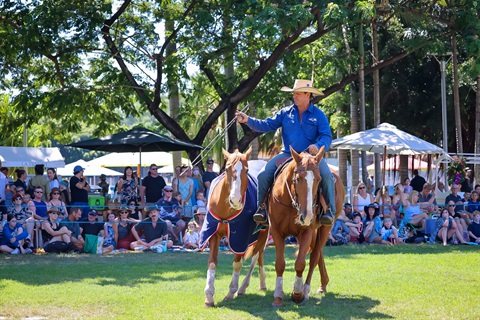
(236, 204)
(305, 218)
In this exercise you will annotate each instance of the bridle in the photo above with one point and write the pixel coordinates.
(300, 170)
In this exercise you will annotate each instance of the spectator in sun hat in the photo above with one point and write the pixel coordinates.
(208, 176)
(153, 229)
(199, 217)
(79, 189)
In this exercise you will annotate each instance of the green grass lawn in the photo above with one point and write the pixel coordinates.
(366, 282)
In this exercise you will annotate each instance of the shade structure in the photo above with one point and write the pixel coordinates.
(386, 135)
(90, 170)
(135, 140)
(393, 164)
(124, 159)
(30, 157)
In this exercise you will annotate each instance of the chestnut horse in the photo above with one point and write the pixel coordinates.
(293, 206)
(232, 201)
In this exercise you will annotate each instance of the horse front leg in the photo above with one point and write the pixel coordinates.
(324, 231)
(237, 266)
(278, 294)
(212, 266)
(304, 241)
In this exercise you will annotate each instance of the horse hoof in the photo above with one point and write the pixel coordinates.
(277, 303)
(298, 297)
(262, 288)
(228, 297)
(322, 289)
(240, 293)
(209, 304)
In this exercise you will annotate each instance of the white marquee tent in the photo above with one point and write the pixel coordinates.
(30, 157)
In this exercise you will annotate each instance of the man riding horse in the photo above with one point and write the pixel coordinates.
(304, 128)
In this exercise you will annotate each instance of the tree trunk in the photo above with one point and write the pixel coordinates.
(361, 80)
(456, 96)
(376, 103)
(477, 131)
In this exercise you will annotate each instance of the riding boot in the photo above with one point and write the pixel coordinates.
(327, 218)
(260, 217)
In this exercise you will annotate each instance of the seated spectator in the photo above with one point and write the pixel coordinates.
(22, 215)
(336, 240)
(201, 201)
(473, 204)
(56, 239)
(56, 201)
(13, 237)
(458, 216)
(426, 199)
(174, 221)
(342, 219)
(167, 201)
(92, 227)
(407, 188)
(397, 201)
(108, 231)
(474, 228)
(389, 233)
(413, 212)
(372, 224)
(71, 223)
(191, 239)
(447, 227)
(199, 217)
(455, 198)
(361, 199)
(135, 214)
(385, 202)
(122, 228)
(356, 225)
(154, 231)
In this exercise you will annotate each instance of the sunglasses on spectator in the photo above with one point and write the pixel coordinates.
(123, 212)
(20, 190)
(153, 168)
(53, 212)
(361, 188)
(18, 199)
(168, 190)
(38, 191)
(56, 193)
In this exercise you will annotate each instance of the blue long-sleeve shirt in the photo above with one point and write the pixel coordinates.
(9, 233)
(313, 129)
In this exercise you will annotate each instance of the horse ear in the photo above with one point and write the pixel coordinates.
(248, 153)
(225, 153)
(320, 154)
(295, 155)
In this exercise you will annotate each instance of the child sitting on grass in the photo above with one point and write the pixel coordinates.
(191, 238)
(474, 228)
(389, 233)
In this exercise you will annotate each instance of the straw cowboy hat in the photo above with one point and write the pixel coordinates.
(303, 86)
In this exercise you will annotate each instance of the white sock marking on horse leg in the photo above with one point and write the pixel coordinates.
(210, 286)
(309, 178)
(306, 291)
(278, 293)
(298, 285)
(237, 266)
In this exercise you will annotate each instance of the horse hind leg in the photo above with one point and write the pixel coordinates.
(246, 281)
(237, 266)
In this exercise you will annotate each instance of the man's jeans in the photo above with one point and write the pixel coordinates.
(340, 224)
(265, 180)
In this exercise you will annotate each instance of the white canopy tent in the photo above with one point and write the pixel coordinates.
(90, 170)
(124, 159)
(30, 157)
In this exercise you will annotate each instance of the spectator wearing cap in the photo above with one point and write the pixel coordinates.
(152, 186)
(40, 181)
(209, 175)
(167, 201)
(153, 229)
(170, 211)
(92, 227)
(79, 190)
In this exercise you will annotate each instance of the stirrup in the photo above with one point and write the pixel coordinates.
(260, 217)
(327, 218)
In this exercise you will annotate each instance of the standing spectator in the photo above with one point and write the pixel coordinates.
(184, 185)
(52, 178)
(72, 224)
(37, 206)
(127, 186)
(176, 174)
(104, 185)
(407, 188)
(370, 184)
(4, 186)
(417, 181)
(65, 193)
(79, 189)
(467, 184)
(208, 176)
(196, 176)
(20, 182)
(13, 237)
(39, 181)
(152, 186)
(153, 229)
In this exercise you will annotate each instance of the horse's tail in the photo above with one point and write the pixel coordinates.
(260, 245)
